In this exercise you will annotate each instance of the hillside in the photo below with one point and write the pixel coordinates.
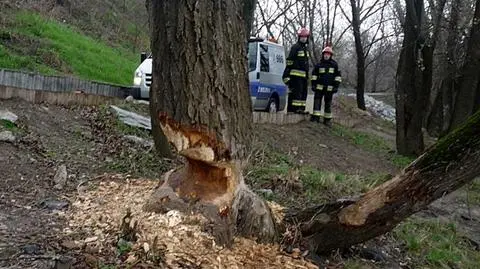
(95, 40)
(75, 219)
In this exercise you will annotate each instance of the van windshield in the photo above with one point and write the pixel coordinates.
(252, 56)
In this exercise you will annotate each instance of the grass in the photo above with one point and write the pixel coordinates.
(364, 140)
(10, 60)
(58, 48)
(276, 171)
(436, 244)
(372, 143)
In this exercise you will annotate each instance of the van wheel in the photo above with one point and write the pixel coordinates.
(272, 106)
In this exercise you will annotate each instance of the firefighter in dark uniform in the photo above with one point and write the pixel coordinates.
(326, 78)
(295, 74)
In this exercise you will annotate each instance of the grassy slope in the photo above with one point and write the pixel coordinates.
(37, 44)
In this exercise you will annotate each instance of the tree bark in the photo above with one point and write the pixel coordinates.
(445, 167)
(440, 116)
(360, 56)
(470, 77)
(412, 90)
(201, 102)
(199, 67)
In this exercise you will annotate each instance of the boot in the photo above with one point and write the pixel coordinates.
(327, 122)
(315, 118)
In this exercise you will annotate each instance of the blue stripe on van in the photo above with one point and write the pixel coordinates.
(264, 90)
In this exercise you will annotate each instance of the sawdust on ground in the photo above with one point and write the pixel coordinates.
(98, 213)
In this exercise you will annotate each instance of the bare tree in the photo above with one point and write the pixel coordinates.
(466, 100)
(359, 14)
(412, 91)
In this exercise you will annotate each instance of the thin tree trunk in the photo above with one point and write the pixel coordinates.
(470, 78)
(412, 90)
(360, 56)
(199, 71)
(450, 164)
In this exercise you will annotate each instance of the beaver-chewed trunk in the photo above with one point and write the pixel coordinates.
(211, 183)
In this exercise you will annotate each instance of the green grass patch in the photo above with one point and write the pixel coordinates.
(12, 60)
(364, 140)
(60, 45)
(275, 171)
(6, 124)
(400, 161)
(372, 143)
(436, 244)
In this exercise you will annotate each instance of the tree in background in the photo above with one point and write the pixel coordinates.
(412, 89)
(467, 99)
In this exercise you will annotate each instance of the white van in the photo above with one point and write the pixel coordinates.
(266, 62)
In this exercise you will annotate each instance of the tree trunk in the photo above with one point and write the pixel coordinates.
(199, 67)
(248, 15)
(470, 78)
(440, 116)
(445, 167)
(412, 90)
(201, 102)
(360, 56)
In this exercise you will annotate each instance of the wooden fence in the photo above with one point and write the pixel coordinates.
(59, 89)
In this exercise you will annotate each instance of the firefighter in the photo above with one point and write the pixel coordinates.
(326, 78)
(295, 74)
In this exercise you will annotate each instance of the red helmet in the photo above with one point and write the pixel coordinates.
(303, 32)
(327, 49)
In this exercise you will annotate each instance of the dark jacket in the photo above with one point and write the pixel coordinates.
(326, 76)
(297, 62)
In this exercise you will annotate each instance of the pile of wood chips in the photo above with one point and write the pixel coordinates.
(98, 212)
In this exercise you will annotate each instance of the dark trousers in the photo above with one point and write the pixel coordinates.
(297, 96)
(317, 104)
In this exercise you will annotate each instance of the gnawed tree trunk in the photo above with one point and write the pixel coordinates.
(199, 67)
(412, 89)
(201, 103)
(469, 80)
(448, 165)
(211, 183)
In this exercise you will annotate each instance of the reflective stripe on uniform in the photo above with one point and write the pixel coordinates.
(298, 103)
(328, 115)
(338, 78)
(321, 70)
(314, 77)
(331, 70)
(317, 113)
(289, 62)
(301, 53)
(329, 88)
(319, 87)
(286, 79)
(298, 73)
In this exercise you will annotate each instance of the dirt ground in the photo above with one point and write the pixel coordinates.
(76, 224)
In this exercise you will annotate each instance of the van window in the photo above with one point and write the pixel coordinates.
(252, 56)
(264, 64)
